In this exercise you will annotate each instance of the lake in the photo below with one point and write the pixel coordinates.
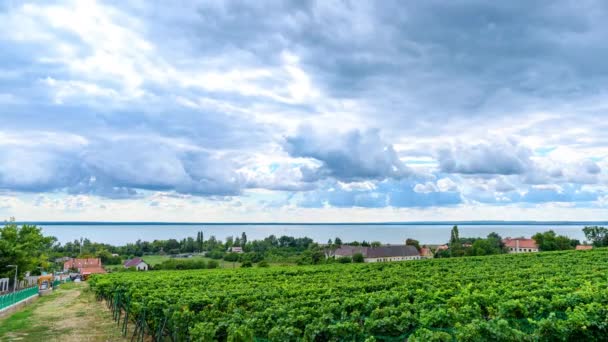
(119, 234)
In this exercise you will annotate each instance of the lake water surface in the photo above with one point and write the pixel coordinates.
(119, 234)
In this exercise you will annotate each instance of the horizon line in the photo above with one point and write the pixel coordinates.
(166, 223)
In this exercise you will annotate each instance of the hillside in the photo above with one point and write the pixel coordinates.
(539, 296)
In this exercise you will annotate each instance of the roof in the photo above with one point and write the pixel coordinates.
(80, 263)
(392, 251)
(378, 252)
(134, 262)
(523, 243)
(443, 248)
(583, 247)
(350, 250)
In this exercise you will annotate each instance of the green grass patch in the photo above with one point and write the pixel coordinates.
(153, 260)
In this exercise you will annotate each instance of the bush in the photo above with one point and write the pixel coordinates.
(358, 257)
(232, 257)
(213, 264)
(247, 264)
(263, 263)
(215, 254)
(257, 257)
(344, 260)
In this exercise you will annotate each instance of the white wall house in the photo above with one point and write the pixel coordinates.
(138, 263)
(380, 253)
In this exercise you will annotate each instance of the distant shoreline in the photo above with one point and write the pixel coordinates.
(409, 223)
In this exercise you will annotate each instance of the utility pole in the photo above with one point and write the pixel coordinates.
(15, 283)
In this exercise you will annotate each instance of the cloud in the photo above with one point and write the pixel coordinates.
(351, 156)
(498, 157)
(317, 104)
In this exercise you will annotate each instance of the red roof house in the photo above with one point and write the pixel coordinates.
(583, 247)
(520, 245)
(85, 266)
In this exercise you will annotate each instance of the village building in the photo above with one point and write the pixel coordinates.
(235, 250)
(381, 253)
(138, 263)
(426, 253)
(520, 245)
(583, 247)
(442, 248)
(85, 266)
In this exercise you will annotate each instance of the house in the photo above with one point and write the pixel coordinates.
(583, 247)
(235, 250)
(349, 251)
(138, 263)
(520, 245)
(426, 253)
(442, 248)
(84, 266)
(381, 253)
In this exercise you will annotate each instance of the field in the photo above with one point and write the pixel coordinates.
(534, 297)
(154, 260)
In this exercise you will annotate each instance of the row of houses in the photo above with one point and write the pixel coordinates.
(410, 252)
(519, 245)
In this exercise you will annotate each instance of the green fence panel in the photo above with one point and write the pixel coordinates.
(9, 299)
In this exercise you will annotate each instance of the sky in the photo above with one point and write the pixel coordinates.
(303, 111)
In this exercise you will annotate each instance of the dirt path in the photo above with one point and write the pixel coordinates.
(70, 314)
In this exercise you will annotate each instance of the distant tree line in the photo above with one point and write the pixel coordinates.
(493, 243)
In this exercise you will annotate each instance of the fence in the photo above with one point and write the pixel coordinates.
(15, 297)
(4, 284)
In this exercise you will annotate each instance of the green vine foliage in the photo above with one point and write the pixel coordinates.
(555, 296)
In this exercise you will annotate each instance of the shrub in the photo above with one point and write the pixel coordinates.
(247, 264)
(344, 260)
(263, 263)
(358, 257)
(232, 257)
(213, 264)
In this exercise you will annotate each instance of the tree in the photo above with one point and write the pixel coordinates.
(412, 242)
(455, 244)
(598, 236)
(338, 241)
(243, 239)
(24, 246)
(549, 241)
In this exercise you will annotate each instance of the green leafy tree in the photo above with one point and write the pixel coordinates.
(598, 236)
(549, 241)
(412, 242)
(24, 246)
(455, 244)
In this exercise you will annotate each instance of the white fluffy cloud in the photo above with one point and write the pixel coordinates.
(142, 101)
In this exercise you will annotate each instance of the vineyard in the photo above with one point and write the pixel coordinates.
(534, 297)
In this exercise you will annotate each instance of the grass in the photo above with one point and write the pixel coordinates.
(158, 259)
(70, 313)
